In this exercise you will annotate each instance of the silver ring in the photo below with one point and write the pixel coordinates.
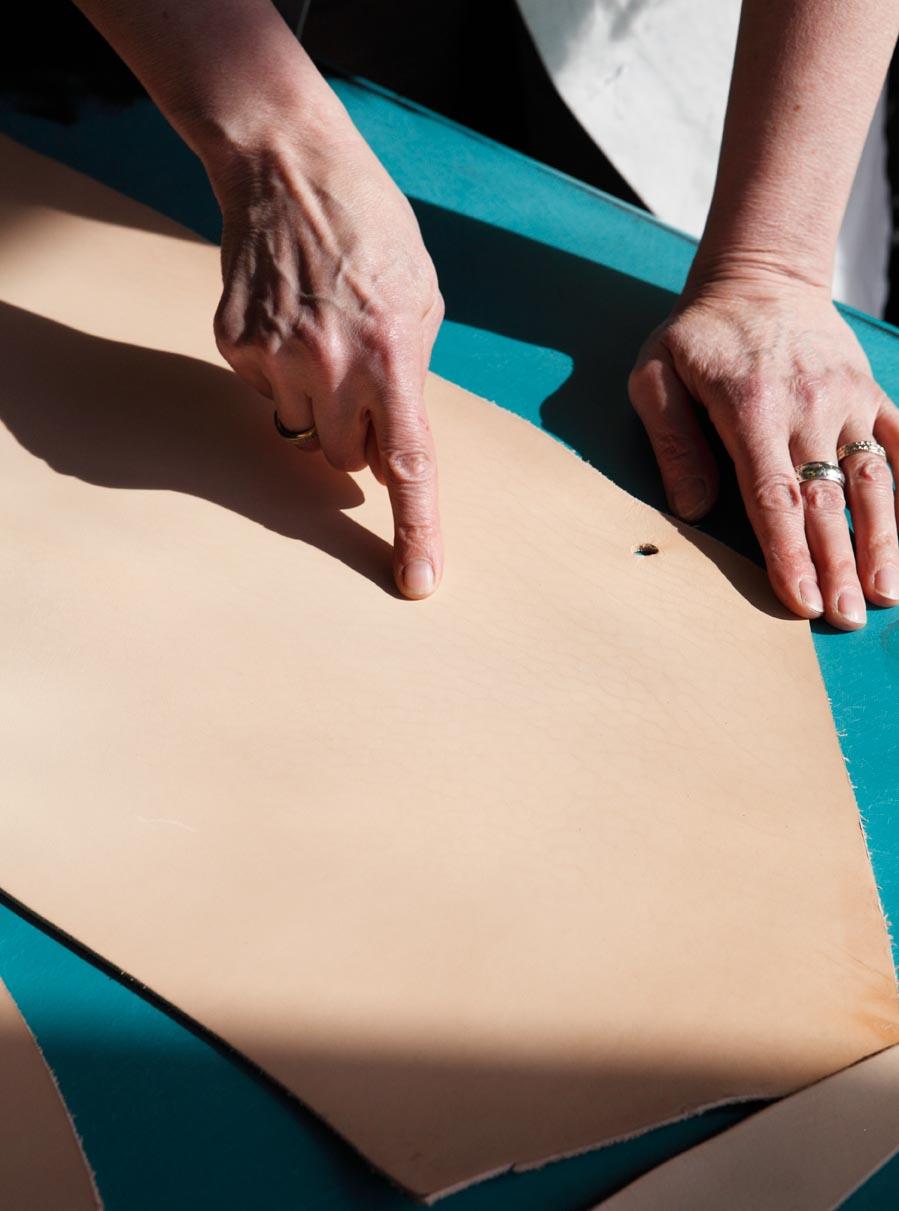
(819, 470)
(864, 447)
(299, 437)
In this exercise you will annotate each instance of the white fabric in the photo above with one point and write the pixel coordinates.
(648, 80)
(861, 270)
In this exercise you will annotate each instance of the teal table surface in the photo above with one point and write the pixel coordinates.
(550, 288)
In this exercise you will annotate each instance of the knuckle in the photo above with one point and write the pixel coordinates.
(323, 344)
(880, 545)
(229, 351)
(267, 329)
(238, 332)
(644, 382)
(261, 327)
(269, 343)
(823, 496)
(381, 324)
(839, 568)
(415, 536)
(240, 359)
(345, 460)
(638, 375)
(751, 406)
(228, 331)
(811, 390)
(777, 494)
(884, 408)
(391, 345)
(409, 465)
(755, 396)
(787, 560)
(870, 469)
(435, 312)
(387, 341)
(673, 448)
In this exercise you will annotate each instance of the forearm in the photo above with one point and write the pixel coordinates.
(806, 79)
(228, 74)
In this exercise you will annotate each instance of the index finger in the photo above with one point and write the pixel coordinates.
(408, 461)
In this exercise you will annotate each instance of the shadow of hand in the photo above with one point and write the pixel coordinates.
(123, 416)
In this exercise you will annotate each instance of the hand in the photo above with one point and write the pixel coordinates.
(784, 381)
(330, 308)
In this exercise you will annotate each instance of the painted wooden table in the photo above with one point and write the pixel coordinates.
(550, 288)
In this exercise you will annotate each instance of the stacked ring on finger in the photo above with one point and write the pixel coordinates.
(869, 446)
(819, 469)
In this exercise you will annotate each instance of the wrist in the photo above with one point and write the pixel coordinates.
(760, 237)
(735, 268)
(300, 123)
(761, 242)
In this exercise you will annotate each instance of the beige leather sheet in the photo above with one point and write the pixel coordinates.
(41, 1164)
(562, 853)
(808, 1152)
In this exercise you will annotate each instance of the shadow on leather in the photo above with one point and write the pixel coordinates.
(123, 416)
(328, 1168)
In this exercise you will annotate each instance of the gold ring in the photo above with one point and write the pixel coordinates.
(864, 447)
(299, 437)
(820, 470)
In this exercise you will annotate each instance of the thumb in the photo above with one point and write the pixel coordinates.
(668, 414)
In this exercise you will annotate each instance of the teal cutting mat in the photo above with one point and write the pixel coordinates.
(550, 287)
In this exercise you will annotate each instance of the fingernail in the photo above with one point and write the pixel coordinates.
(886, 582)
(851, 605)
(811, 596)
(690, 495)
(418, 578)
